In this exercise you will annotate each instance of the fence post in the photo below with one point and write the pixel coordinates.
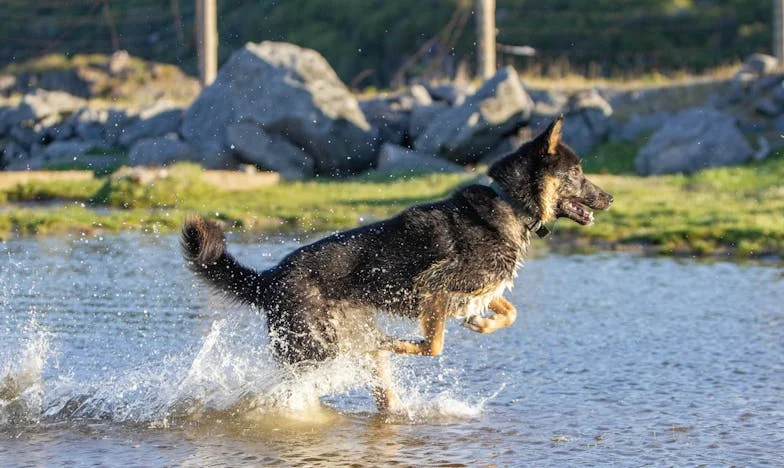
(485, 38)
(207, 40)
(778, 30)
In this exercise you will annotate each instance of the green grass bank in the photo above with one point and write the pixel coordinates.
(725, 211)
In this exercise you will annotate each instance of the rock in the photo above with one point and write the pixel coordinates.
(450, 93)
(767, 107)
(288, 91)
(156, 125)
(507, 146)
(254, 146)
(777, 93)
(464, 133)
(422, 116)
(420, 95)
(7, 84)
(693, 140)
(639, 125)
(587, 122)
(386, 115)
(548, 102)
(61, 153)
(763, 149)
(42, 103)
(778, 124)
(396, 159)
(159, 151)
(759, 64)
(105, 125)
(12, 156)
(26, 136)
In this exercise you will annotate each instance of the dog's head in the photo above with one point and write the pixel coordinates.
(545, 176)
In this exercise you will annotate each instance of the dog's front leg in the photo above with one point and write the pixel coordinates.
(433, 321)
(385, 396)
(504, 315)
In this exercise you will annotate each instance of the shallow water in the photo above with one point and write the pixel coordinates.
(111, 353)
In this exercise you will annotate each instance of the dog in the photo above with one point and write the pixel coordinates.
(449, 259)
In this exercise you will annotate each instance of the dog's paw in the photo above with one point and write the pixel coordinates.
(475, 323)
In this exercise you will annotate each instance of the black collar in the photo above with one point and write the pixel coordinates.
(533, 224)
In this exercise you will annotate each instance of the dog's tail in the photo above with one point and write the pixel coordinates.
(204, 247)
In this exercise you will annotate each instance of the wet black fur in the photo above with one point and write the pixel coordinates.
(382, 266)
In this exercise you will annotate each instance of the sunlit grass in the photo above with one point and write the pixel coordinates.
(726, 210)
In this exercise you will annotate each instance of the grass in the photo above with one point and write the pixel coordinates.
(733, 211)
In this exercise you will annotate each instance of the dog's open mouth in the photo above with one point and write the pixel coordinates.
(575, 211)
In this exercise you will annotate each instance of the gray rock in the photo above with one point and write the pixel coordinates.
(273, 152)
(160, 151)
(420, 95)
(767, 107)
(288, 91)
(25, 135)
(588, 121)
(507, 146)
(156, 125)
(777, 93)
(66, 152)
(105, 125)
(12, 156)
(386, 115)
(393, 159)
(464, 133)
(422, 116)
(41, 103)
(693, 140)
(548, 102)
(640, 125)
(450, 93)
(759, 64)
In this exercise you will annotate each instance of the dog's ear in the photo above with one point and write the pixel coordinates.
(549, 139)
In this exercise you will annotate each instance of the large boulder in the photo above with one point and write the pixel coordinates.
(394, 159)
(160, 124)
(464, 133)
(692, 140)
(255, 146)
(639, 125)
(588, 121)
(288, 91)
(159, 151)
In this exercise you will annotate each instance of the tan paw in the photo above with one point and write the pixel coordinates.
(476, 323)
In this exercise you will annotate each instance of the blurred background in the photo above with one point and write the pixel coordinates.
(368, 41)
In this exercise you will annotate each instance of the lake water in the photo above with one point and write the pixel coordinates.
(112, 354)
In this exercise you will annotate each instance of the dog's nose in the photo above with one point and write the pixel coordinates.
(610, 198)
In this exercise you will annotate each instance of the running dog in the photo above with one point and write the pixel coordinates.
(449, 259)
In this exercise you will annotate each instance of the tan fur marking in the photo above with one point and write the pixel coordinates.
(554, 136)
(505, 315)
(549, 197)
(433, 322)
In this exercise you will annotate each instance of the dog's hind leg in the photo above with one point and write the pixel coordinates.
(386, 398)
(504, 315)
(433, 321)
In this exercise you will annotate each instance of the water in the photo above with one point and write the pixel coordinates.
(111, 353)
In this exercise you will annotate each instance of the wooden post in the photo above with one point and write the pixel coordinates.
(778, 30)
(485, 38)
(207, 40)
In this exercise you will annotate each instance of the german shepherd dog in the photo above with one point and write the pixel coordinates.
(449, 259)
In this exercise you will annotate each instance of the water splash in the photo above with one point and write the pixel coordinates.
(21, 378)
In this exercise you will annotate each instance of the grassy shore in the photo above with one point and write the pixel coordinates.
(734, 211)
